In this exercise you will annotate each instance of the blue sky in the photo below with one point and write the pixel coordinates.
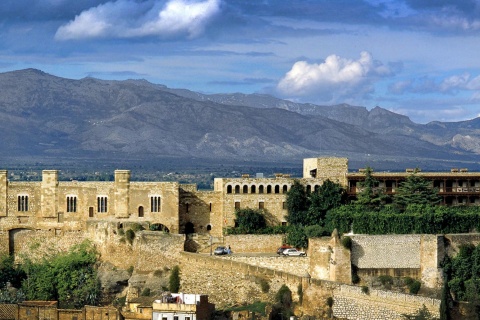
(420, 58)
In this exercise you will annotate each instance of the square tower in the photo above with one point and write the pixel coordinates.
(334, 169)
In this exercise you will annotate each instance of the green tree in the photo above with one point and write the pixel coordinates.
(9, 272)
(371, 195)
(296, 237)
(69, 278)
(297, 204)
(415, 190)
(174, 280)
(250, 220)
(328, 196)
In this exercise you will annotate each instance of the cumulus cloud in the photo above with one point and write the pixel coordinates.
(129, 18)
(333, 80)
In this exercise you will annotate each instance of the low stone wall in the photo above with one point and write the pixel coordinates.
(351, 303)
(254, 243)
(384, 252)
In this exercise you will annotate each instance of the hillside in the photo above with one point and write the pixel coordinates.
(45, 115)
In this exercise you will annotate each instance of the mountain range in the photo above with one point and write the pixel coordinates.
(48, 116)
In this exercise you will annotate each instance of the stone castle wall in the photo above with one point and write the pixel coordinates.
(253, 243)
(351, 303)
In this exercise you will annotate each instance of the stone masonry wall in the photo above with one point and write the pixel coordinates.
(351, 303)
(382, 252)
(254, 243)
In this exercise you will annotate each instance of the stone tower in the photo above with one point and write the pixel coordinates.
(49, 193)
(334, 169)
(122, 193)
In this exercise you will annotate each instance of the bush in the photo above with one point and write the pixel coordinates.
(385, 279)
(130, 270)
(347, 243)
(130, 235)
(145, 292)
(174, 280)
(414, 287)
(365, 290)
(264, 285)
(137, 227)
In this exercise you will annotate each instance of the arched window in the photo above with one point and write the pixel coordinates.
(237, 189)
(260, 189)
(277, 189)
(285, 189)
(229, 189)
(253, 189)
(209, 227)
(309, 188)
(245, 189)
(140, 212)
(269, 189)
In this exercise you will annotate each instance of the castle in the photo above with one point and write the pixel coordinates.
(182, 208)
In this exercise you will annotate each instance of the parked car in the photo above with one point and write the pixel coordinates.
(220, 251)
(294, 252)
(282, 248)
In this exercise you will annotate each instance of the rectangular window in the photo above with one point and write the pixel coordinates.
(175, 317)
(210, 207)
(155, 204)
(284, 205)
(187, 318)
(237, 204)
(261, 205)
(102, 204)
(71, 204)
(22, 203)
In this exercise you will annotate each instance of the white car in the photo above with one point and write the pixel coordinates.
(293, 252)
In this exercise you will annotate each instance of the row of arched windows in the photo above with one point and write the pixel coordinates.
(265, 189)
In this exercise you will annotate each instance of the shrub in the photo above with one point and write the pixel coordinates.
(174, 280)
(414, 287)
(264, 285)
(130, 270)
(365, 290)
(408, 281)
(130, 235)
(121, 232)
(119, 302)
(137, 227)
(145, 292)
(347, 242)
(385, 280)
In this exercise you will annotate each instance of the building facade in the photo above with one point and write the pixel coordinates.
(182, 208)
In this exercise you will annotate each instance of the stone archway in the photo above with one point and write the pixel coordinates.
(159, 227)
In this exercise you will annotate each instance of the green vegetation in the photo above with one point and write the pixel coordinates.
(417, 190)
(145, 292)
(69, 278)
(256, 307)
(264, 285)
(249, 220)
(283, 307)
(174, 280)
(421, 314)
(130, 236)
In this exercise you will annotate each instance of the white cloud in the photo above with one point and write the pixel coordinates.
(128, 19)
(334, 79)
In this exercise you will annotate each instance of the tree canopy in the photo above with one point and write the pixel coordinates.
(371, 195)
(297, 204)
(415, 190)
